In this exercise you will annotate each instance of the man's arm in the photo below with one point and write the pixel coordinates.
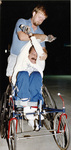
(25, 37)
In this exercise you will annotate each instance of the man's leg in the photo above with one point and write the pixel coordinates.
(36, 94)
(36, 86)
(23, 84)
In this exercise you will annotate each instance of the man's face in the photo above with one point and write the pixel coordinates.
(33, 56)
(38, 18)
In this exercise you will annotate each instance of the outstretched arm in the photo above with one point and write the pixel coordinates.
(25, 37)
(42, 37)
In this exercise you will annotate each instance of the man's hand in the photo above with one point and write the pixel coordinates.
(50, 38)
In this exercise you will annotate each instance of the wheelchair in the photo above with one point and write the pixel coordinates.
(55, 120)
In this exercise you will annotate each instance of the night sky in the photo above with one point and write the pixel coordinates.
(57, 24)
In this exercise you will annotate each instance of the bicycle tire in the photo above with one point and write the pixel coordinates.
(3, 115)
(12, 138)
(62, 138)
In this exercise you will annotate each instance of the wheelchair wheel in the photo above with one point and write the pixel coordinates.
(49, 103)
(61, 138)
(3, 103)
(12, 138)
(3, 115)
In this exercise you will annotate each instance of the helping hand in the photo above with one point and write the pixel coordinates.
(51, 38)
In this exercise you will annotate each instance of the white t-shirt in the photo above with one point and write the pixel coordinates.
(24, 64)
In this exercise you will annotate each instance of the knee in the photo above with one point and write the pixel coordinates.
(23, 74)
(36, 75)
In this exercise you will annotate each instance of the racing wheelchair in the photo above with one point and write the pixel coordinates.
(55, 120)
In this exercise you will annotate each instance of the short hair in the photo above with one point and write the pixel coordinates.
(40, 8)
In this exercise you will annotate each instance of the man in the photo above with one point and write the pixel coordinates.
(29, 83)
(29, 71)
(20, 38)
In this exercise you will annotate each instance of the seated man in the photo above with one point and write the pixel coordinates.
(28, 69)
(29, 80)
(29, 74)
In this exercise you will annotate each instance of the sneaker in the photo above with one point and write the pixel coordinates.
(31, 123)
(36, 125)
(21, 102)
(37, 128)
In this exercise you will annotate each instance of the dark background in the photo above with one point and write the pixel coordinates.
(57, 23)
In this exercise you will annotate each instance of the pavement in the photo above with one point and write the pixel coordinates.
(43, 139)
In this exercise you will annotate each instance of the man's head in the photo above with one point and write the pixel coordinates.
(32, 55)
(39, 14)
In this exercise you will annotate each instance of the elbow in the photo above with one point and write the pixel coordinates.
(20, 36)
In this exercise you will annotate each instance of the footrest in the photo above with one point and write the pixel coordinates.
(19, 109)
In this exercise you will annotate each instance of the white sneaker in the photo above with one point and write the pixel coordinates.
(31, 123)
(21, 102)
(34, 127)
(37, 125)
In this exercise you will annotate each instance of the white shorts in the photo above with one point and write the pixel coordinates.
(11, 63)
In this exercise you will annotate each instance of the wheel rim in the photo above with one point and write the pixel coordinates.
(61, 138)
